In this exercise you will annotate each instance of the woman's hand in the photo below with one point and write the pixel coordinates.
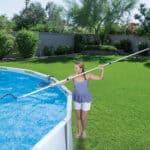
(101, 67)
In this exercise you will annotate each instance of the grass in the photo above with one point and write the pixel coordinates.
(120, 115)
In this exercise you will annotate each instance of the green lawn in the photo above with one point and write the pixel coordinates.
(120, 115)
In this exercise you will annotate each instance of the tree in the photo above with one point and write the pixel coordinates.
(27, 3)
(31, 16)
(95, 14)
(144, 18)
(5, 24)
(51, 9)
(54, 20)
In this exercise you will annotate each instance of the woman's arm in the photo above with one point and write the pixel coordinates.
(68, 79)
(97, 77)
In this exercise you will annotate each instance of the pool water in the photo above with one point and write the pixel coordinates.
(24, 121)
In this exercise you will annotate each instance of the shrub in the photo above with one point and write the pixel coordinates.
(126, 45)
(6, 44)
(78, 41)
(90, 39)
(48, 50)
(63, 50)
(99, 47)
(108, 48)
(141, 46)
(60, 50)
(91, 47)
(117, 29)
(69, 49)
(80, 48)
(38, 27)
(140, 32)
(117, 45)
(27, 43)
(104, 39)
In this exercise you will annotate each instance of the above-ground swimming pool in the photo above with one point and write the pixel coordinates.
(40, 121)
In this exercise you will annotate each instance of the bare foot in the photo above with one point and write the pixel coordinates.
(83, 135)
(78, 135)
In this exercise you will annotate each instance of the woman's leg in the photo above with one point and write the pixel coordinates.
(79, 126)
(85, 108)
(83, 122)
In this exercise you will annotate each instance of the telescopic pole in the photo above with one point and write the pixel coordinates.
(70, 78)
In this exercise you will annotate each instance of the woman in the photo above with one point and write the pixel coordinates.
(81, 96)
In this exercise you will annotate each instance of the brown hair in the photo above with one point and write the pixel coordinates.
(81, 65)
